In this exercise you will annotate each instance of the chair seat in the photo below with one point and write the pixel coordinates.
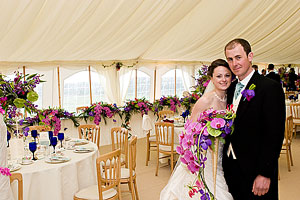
(91, 193)
(167, 148)
(296, 121)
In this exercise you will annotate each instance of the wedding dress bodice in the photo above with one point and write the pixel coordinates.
(5, 191)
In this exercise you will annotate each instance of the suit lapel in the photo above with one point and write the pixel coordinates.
(243, 103)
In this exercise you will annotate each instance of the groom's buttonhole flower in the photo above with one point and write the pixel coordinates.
(249, 93)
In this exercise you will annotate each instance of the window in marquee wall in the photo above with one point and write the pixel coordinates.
(143, 85)
(168, 83)
(39, 91)
(77, 90)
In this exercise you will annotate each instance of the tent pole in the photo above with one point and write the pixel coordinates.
(175, 80)
(58, 79)
(135, 83)
(90, 81)
(154, 84)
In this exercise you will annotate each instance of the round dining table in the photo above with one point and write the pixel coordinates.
(60, 181)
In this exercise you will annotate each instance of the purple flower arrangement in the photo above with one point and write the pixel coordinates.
(136, 106)
(189, 100)
(197, 138)
(202, 80)
(99, 111)
(171, 101)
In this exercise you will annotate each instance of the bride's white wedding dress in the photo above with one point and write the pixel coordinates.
(177, 189)
(5, 191)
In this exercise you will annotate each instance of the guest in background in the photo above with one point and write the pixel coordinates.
(272, 74)
(255, 67)
(263, 72)
(292, 79)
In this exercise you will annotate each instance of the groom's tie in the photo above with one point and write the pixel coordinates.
(238, 89)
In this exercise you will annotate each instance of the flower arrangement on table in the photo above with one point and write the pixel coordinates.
(171, 101)
(202, 80)
(99, 111)
(5, 171)
(16, 94)
(211, 127)
(189, 100)
(142, 106)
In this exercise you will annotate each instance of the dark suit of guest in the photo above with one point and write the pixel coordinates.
(256, 140)
(274, 76)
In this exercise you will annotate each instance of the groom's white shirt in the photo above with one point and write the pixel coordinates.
(236, 103)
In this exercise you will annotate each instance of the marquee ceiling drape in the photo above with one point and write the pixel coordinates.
(148, 30)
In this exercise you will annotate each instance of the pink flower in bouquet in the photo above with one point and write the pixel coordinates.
(2, 111)
(217, 123)
(206, 83)
(180, 150)
(193, 128)
(187, 141)
(193, 167)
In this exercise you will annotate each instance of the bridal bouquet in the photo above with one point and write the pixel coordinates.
(211, 127)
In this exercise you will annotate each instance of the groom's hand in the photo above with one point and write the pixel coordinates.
(261, 185)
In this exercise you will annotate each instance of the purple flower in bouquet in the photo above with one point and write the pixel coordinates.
(217, 123)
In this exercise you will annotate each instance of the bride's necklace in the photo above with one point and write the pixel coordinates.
(220, 99)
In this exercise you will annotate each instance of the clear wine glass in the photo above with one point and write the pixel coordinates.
(32, 148)
(53, 141)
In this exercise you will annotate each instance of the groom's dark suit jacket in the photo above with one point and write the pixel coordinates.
(258, 134)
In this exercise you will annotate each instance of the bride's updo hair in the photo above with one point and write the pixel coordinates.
(215, 64)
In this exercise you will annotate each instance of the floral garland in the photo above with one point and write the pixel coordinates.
(189, 100)
(211, 126)
(99, 111)
(202, 80)
(136, 106)
(118, 65)
(171, 101)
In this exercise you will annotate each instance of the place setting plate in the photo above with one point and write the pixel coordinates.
(14, 167)
(178, 124)
(83, 149)
(57, 159)
(80, 141)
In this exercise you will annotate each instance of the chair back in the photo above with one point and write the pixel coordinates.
(295, 110)
(80, 109)
(90, 132)
(288, 134)
(289, 93)
(164, 134)
(109, 171)
(119, 140)
(18, 177)
(39, 128)
(132, 154)
(165, 114)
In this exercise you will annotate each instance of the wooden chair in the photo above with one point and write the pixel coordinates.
(128, 175)
(108, 176)
(119, 140)
(165, 114)
(165, 142)
(287, 142)
(289, 93)
(151, 145)
(90, 132)
(19, 178)
(80, 109)
(295, 112)
(39, 128)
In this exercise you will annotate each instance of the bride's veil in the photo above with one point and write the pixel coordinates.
(209, 88)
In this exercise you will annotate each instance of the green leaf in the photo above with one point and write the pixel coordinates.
(32, 96)
(30, 76)
(213, 132)
(19, 103)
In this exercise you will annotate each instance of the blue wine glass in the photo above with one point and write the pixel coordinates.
(61, 137)
(53, 141)
(32, 148)
(8, 138)
(34, 134)
(50, 135)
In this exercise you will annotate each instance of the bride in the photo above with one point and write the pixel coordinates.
(214, 97)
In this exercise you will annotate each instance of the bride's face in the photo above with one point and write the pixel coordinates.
(221, 78)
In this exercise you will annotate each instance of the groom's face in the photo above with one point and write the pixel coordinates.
(239, 62)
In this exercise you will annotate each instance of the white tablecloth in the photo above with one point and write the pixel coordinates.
(44, 181)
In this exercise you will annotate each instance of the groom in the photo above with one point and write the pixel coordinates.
(250, 157)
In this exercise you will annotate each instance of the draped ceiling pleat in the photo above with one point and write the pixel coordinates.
(76, 31)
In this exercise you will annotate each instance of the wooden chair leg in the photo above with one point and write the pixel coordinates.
(135, 189)
(130, 184)
(288, 158)
(291, 158)
(172, 162)
(156, 173)
(148, 149)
